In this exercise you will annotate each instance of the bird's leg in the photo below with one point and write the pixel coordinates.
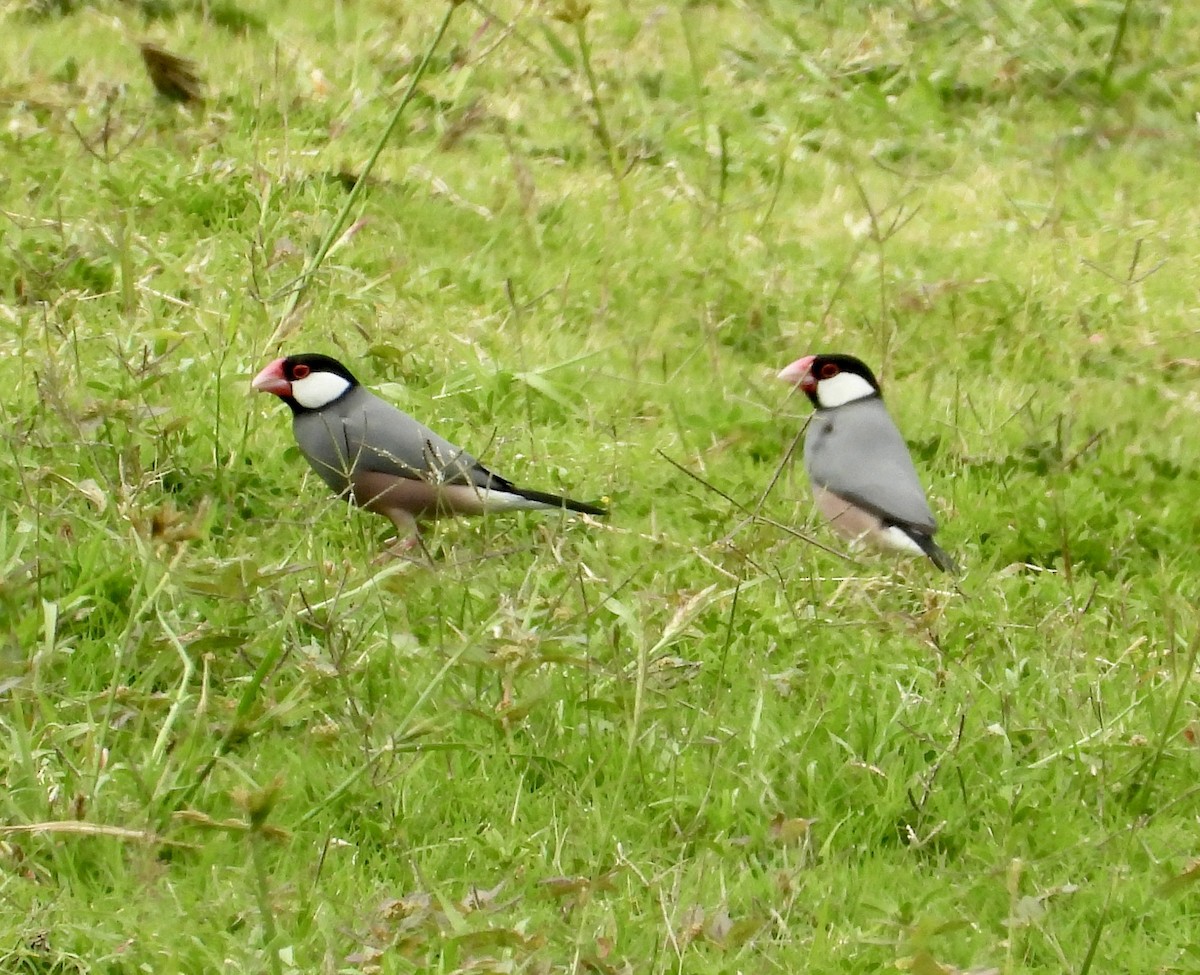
(408, 536)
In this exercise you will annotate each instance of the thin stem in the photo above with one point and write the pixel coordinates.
(1110, 65)
(236, 725)
(263, 892)
(335, 228)
(610, 150)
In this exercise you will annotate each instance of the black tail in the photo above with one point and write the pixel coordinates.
(557, 501)
(937, 555)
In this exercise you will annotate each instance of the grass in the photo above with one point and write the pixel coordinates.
(680, 740)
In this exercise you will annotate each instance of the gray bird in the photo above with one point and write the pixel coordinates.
(383, 460)
(862, 476)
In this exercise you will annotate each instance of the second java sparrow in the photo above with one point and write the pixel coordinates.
(862, 476)
(382, 459)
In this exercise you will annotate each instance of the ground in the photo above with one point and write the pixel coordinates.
(685, 739)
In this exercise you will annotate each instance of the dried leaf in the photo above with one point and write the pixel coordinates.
(561, 887)
(742, 931)
(794, 830)
(349, 234)
(719, 926)
(487, 966)
(572, 11)
(1191, 873)
(321, 88)
(923, 963)
(92, 491)
(479, 898)
(691, 925)
(284, 247)
(686, 612)
(397, 908)
(497, 938)
(74, 826)
(364, 956)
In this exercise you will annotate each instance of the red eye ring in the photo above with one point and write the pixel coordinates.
(829, 370)
(299, 371)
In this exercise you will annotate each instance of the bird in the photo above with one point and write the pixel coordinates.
(381, 459)
(862, 476)
(173, 77)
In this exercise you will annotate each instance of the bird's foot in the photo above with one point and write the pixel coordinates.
(407, 547)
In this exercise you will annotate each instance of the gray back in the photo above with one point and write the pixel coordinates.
(856, 452)
(361, 432)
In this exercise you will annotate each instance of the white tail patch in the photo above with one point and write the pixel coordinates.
(898, 540)
(845, 387)
(467, 499)
(503, 501)
(318, 389)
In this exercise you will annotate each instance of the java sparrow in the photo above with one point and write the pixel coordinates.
(862, 476)
(384, 460)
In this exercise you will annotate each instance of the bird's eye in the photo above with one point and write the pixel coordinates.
(300, 371)
(829, 370)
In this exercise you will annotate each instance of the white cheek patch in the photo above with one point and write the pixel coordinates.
(318, 389)
(843, 388)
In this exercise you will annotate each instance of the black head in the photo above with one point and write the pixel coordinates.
(831, 380)
(308, 382)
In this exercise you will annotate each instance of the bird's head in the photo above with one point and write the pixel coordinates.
(831, 380)
(305, 382)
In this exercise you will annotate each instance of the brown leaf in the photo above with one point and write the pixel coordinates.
(569, 886)
(719, 926)
(784, 830)
(562, 887)
(572, 11)
(1191, 873)
(397, 908)
(742, 931)
(691, 925)
(94, 493)
(479, 898)
(923, 963)
(365, 956)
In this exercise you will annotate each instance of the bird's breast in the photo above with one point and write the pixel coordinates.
(322, 441)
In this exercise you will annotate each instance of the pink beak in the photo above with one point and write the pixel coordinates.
(271, 380)
(799, 373)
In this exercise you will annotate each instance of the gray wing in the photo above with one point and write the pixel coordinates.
(856, 452)
(363, 433)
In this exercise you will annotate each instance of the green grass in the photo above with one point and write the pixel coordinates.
(680, 741)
